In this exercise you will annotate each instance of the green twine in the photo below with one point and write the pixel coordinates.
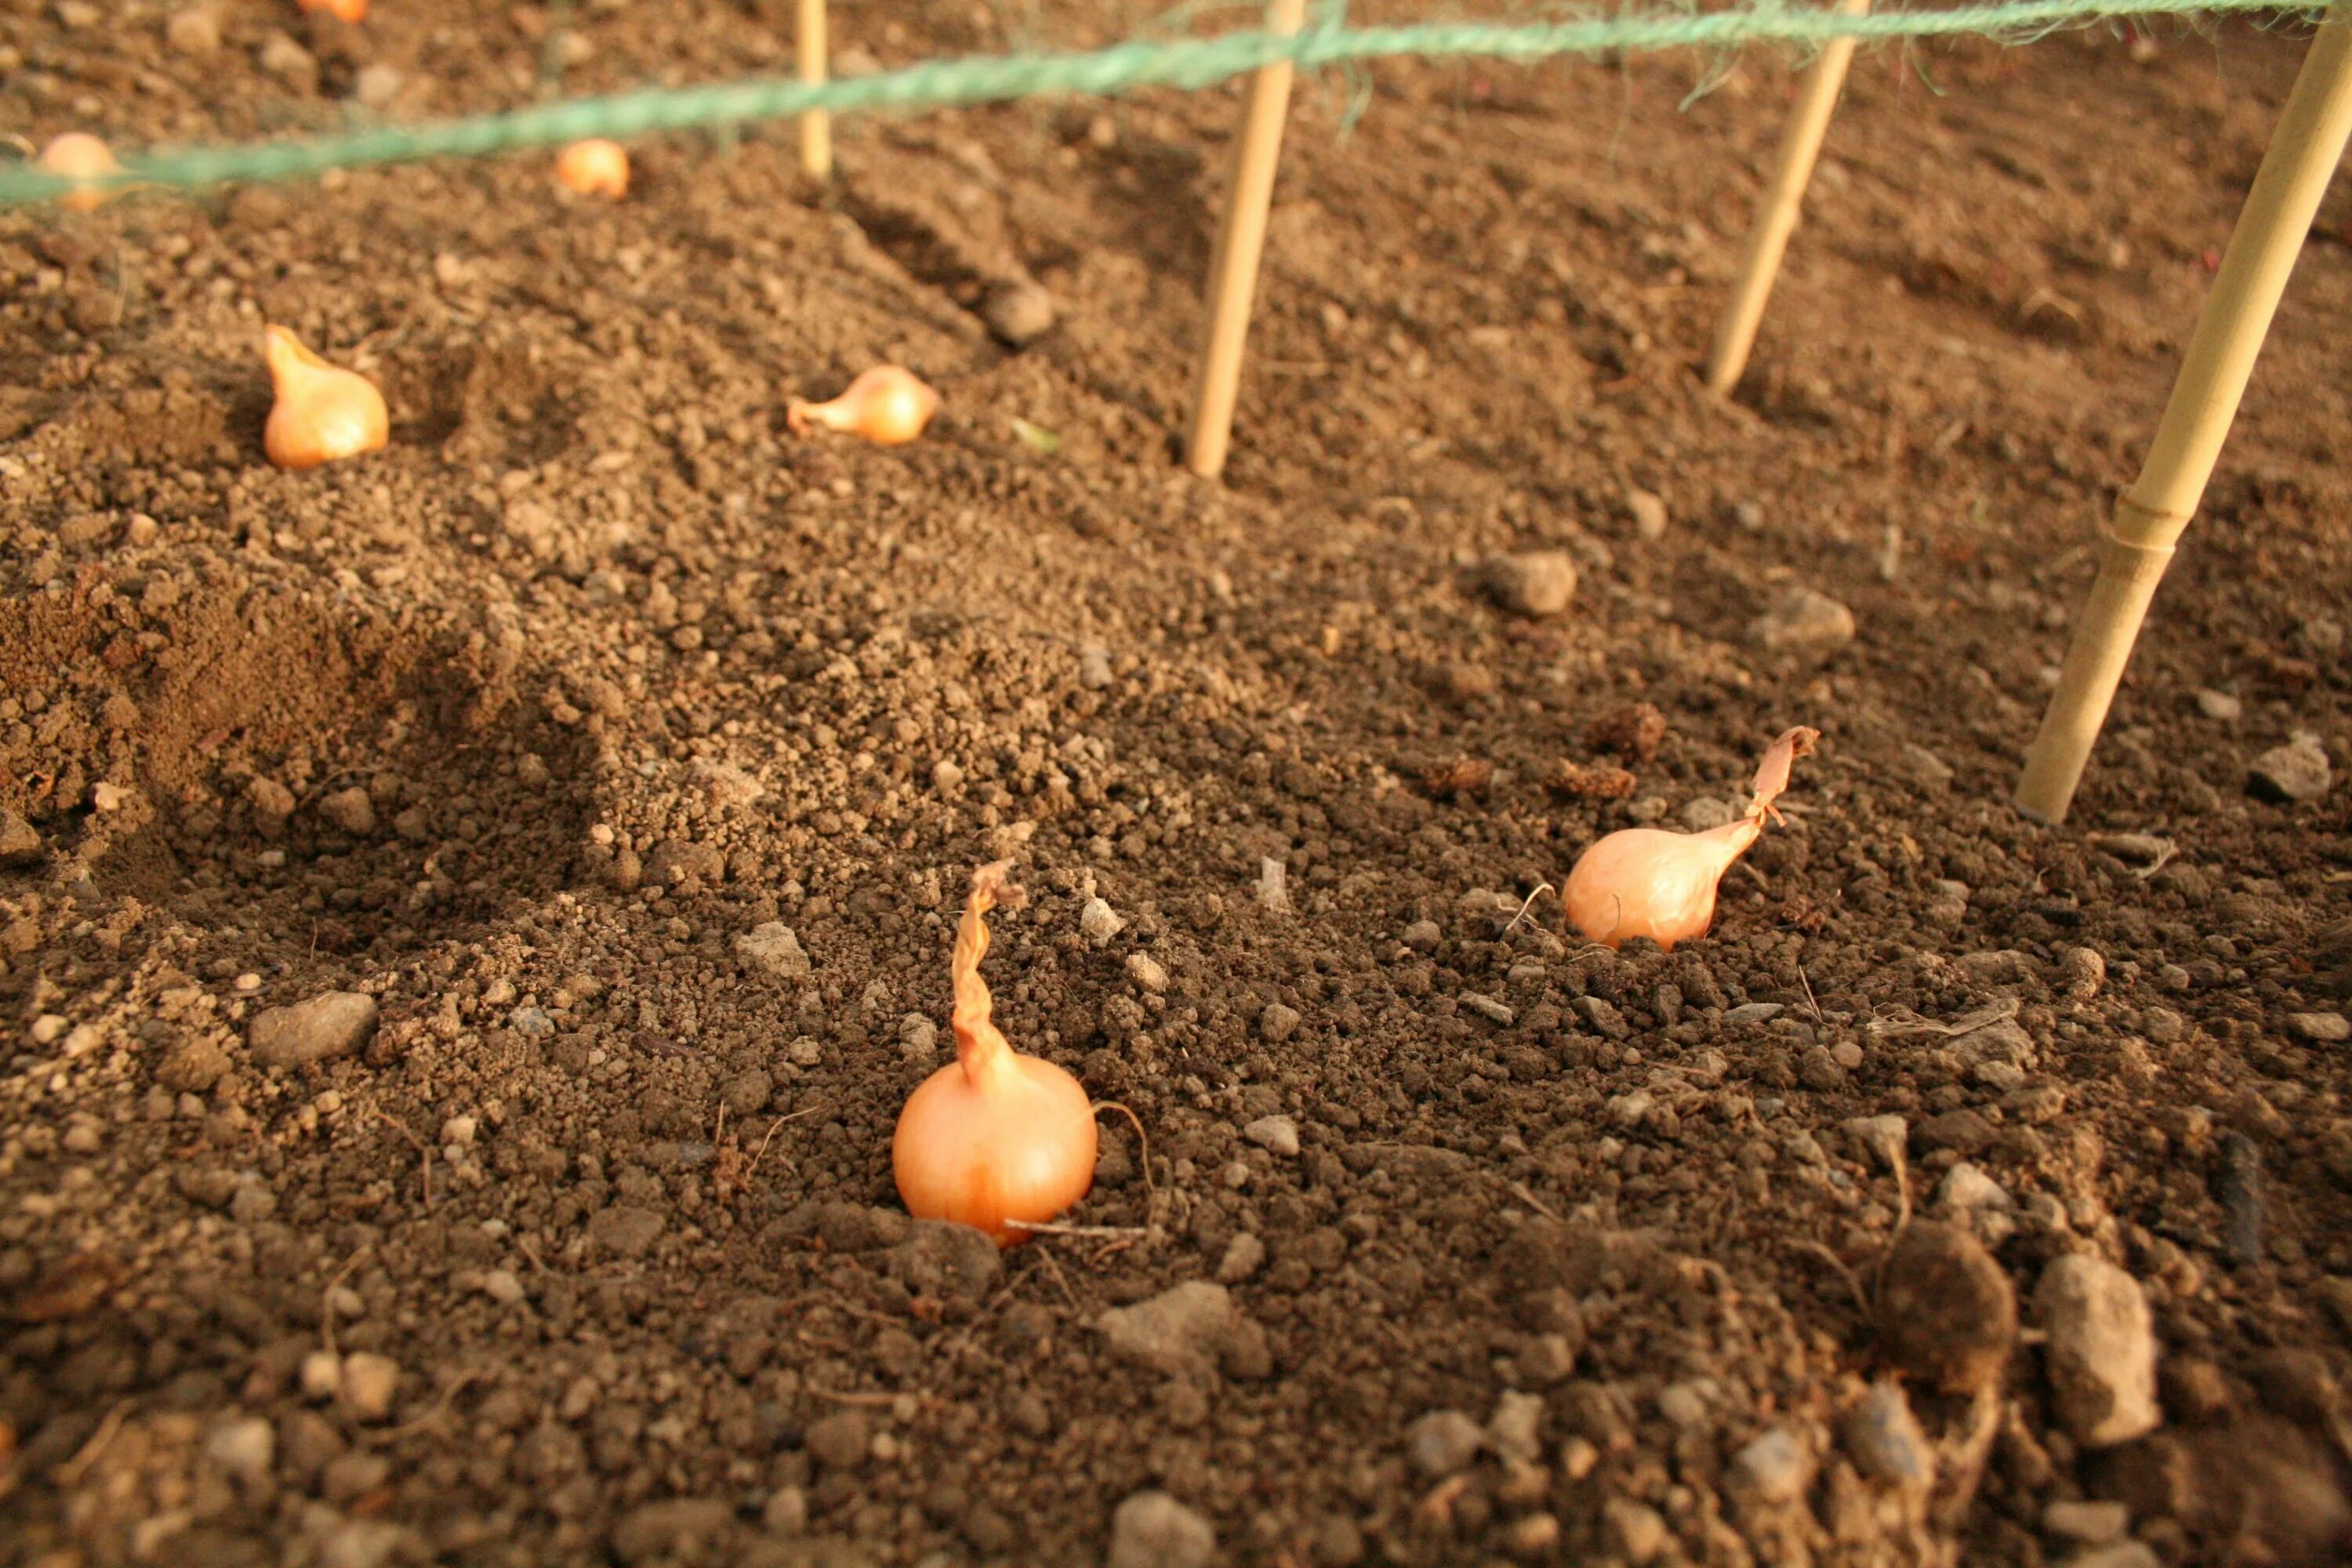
(1122, 68)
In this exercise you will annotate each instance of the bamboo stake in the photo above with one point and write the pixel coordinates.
(1233, 274)
(1776, 217)
(816, 125)
(2150, 517)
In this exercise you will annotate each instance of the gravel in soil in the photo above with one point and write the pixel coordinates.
(469, 915)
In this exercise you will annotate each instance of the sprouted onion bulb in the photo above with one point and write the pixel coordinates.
(341, 10)
(1646, 881)
(596, 167)
(78, 155)
(322, 412)
(995, 1136)
(888, 406)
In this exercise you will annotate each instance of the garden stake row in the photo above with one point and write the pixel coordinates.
(1776, 217)
(2150, 517)
(1233, 274)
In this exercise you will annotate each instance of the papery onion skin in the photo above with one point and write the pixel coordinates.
(889, 406)
(995, 1136)
(1649, 882)
(322, 412)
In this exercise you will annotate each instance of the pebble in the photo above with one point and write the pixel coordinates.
(193, 1067)
(2297, 771)
(1802, 618)
(334, 1024)
(194, 31)
(1514, 1431)
(1492, 1009)
(1545, 1359)
(1972, 1198)
(1754, 1013)
(1532, 582)
(245, 1447)
(840, 1441)
(458, 1132)
(1636, 1532)
(1277, 1023)
(1886, 1441)
(1773, 1468)
(500, 1286)
(1094, 668)
(321, 1376)
(1244, 1256)
(1648, 510)
(1180, 1330)
(1018, 312)
(2220, 705)
(376, 86)
(368, 1384)
(1146, 972)
(288, 61)
(773, 948)
(1152, 1530)
(2320, 1029)
(1883, 1137)
(2101, 1351)
(1098, 922)
(1278, 1133)
(804, 1051)
(1948, 1311)
(2092, 1523)
(1441, 1442)
(352, 810)
(786, 1511)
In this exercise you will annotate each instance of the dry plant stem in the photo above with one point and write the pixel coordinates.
(69, 1474)
(1776, 215)
(1541, 888)
(816, 125)
(1143, 1139)
(1055, 1227)
(1232, 275)
(2150, 517)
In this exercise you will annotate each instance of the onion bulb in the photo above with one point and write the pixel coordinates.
(888, 406)
(1646, 881)
(596, 167)
(78, 155)
(995, 1136)
(341, 10)
(322, 412)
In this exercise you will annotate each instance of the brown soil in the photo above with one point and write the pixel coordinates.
(623, 671)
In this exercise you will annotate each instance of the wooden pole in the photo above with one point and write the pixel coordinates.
(2150, 517)
(816, 125)
(1232, 275)
(1776, 217)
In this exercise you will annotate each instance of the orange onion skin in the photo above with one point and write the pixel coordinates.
(1015, 1144)
(889, 406)
(1646, 881)
(322, 412)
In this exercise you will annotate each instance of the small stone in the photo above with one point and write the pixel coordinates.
(1773, 1470)
(2220, 705)
(1152, 1530)
(321, 1376)
(1969, 1197)
(1948, 1311)
(457, 1132)
(1146, 972)
(1885, 1137)
(352, 810)
(1533, 582)
(1098, 922)
(1491, 1008)
(1181, 1331)
(1441, 1442)
(2321, 1028)
(1545, 1359)
(290, 62)
(1277, 1133)
(245, 1447)
(804, 1051)
(1423, 936)
(193, 1067)
(1648, 510)
(2297, 771)
(2092, 1523)
(786, 1511)
(842, 1440)
(1886, 1441)
(1244, 1256)
(368, 1384)
(194, 31)
(1094, 668)
(773, 948)
(1277, 1023)
(919, 1039)
(1802, 617)
(376, 86)
(1018, 312)
(1754, 1013)
(2101, 1353)
(673, 1530)
(946, 777)
(1635, 1532)
(623, 1230)
(352, 1474)
(500, 1286)
(20, 845)
(334, 1024)
(1514, 1431)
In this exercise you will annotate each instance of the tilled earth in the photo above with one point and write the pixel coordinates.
(555, 1224)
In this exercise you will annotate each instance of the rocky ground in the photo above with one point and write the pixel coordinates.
(469, 915)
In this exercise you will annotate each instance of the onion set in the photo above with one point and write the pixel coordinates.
(322, 412)
(78, 155)
(341, 10)
(995, 1138)
(596, 167)
(1647, 881)
(888, 406)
